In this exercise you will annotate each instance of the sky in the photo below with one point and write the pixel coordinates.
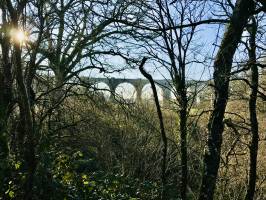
(207, 37)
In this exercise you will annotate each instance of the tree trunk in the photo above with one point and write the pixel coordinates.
(59, 92)
(183, 134)
(5, 106)
(163, 134)
(5, 87)
(27, 127)
(222, 68)
(253, 114)
(26, 120)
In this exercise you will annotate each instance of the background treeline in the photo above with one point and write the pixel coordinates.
(60, 139)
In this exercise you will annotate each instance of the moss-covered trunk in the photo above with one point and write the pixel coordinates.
(222, 68)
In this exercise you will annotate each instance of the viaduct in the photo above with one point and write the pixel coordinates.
(139, 84)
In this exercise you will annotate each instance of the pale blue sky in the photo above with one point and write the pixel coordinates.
(207, 37)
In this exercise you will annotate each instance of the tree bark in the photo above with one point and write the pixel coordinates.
(27, 125)
(5, 87)
(222, 68)
(253, 114)
(183, 134)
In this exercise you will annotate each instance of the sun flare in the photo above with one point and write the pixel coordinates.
(18, 35)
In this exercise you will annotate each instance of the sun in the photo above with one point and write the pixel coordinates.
(18, 35)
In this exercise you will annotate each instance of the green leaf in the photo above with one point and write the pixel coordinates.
(17, 165)
(11, 194)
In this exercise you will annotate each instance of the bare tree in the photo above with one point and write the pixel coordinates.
(6, 95)
(15, 12)
(174, 27)
(222, 68)
(254, 80)
(163, 134)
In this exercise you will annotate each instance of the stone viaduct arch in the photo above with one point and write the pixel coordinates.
(138, 84)
(113, 83)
